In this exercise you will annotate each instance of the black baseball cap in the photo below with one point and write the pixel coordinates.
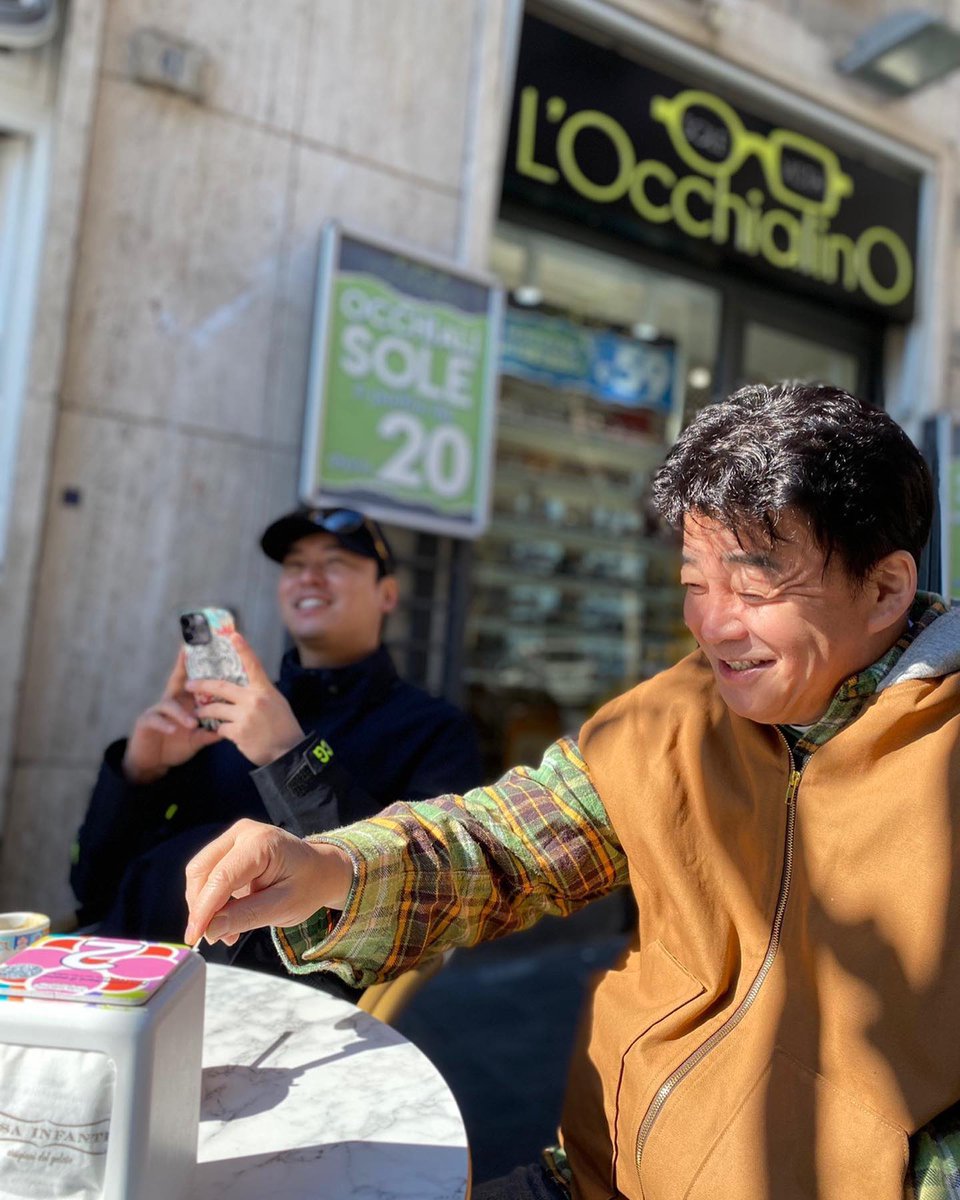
(355, 532)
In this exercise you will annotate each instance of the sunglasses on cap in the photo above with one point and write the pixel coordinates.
(347, 521)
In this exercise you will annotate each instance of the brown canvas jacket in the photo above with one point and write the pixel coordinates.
(787, 1012)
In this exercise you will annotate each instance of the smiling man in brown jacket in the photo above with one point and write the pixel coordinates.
(783, 804)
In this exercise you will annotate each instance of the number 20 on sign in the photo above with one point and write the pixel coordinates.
(403, 390)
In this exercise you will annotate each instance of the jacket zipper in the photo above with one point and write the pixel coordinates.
(666, 1088)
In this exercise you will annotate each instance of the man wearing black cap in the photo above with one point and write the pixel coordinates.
(337, 738)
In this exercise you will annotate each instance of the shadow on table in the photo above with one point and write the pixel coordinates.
(241, 1089)
(339, 1171)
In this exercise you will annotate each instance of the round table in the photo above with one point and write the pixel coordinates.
(304, 1095)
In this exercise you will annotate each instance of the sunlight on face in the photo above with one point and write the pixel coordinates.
(780, 632)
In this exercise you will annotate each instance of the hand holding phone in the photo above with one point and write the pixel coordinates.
(166, 734)
(210, 654)
(247, 708)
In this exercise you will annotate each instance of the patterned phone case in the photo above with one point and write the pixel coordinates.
(217, 659)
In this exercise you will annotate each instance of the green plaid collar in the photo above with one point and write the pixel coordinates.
(853, 693)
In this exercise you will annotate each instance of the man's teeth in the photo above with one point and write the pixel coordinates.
(312, 602)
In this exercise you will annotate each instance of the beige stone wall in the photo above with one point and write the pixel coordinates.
(182, 389)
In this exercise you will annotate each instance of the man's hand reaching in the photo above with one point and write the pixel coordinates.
(255, 875)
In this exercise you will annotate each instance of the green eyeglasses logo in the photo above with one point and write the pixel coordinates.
(804, 180)
(782, 153)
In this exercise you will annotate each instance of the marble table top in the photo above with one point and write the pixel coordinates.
(304, 1095)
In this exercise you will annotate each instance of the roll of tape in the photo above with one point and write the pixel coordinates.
(19, 929)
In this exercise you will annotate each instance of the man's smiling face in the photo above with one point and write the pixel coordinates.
(332, 601)
(781, 632)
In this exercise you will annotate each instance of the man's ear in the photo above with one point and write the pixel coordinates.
(389, 594)
(893, 582)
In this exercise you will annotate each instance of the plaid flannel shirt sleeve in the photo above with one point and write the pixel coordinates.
(459, 870)
(935, 1159)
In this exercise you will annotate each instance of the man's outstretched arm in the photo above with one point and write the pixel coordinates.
(423, 877)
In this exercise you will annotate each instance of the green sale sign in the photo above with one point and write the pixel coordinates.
(402, 388)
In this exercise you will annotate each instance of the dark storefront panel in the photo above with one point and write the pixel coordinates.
(683, 169)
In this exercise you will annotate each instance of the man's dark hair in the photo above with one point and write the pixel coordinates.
(807, 449)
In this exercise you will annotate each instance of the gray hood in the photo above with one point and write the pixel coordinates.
(934, 652)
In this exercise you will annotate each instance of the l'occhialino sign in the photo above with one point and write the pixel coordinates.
(600, 138)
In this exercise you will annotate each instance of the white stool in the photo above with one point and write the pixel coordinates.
(156, 1048)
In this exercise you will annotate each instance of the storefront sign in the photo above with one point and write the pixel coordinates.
(611, 368)
(400, 412)
(599, 137)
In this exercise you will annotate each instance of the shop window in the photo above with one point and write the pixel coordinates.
(770, 354)
(574, 587)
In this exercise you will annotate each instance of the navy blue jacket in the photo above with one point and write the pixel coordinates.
(391, 741)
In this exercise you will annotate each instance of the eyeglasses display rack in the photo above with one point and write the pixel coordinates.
(575, 592)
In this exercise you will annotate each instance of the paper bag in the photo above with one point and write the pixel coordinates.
(55, 1108)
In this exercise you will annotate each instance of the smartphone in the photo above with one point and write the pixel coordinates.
(209, 651)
